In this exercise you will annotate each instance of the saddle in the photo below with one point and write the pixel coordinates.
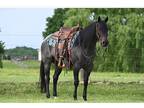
(64, 36)
(66, 32)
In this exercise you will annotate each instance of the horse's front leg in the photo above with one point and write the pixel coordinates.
(76, 80)
(86, 78)
(47, 78)
(55, 79)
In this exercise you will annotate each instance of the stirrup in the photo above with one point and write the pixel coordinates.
(61, 65)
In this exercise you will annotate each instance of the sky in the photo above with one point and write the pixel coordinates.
(23, 26)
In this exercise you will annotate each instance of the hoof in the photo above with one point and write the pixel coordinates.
(48, 96)
(75, 98)
(84, 98)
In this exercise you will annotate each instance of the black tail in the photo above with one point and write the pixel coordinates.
(42, 78)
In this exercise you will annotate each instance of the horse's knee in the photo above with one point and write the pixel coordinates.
(48, 95)
(76, 83)
(47, 78)
(85, 83)
(55, 79)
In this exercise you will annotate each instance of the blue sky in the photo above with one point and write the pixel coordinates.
(23, 26)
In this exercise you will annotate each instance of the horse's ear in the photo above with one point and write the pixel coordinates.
(99, 19)
(106, 19)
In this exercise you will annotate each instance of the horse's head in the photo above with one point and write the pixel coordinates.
(102, 31)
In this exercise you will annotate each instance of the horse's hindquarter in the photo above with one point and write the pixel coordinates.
(47, 51)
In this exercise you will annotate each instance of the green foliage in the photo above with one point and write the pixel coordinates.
(125, 48)
(55, 22)
(1, 47)
(77, 16)
(126, 36)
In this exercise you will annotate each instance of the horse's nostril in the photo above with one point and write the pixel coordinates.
(103, 42)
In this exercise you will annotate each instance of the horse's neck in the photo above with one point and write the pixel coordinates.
(88, 38)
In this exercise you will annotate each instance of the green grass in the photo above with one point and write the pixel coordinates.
(18, 84)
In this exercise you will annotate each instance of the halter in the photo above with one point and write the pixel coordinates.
(97, 34)
(98, 37)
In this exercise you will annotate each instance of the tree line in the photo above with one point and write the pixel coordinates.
(19, 52)
(126, 35)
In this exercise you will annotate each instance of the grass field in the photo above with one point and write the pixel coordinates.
(19, 83)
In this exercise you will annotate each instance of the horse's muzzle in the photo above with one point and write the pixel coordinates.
(104, 43)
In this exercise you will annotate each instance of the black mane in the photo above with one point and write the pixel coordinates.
(87, 39)
(88, 36)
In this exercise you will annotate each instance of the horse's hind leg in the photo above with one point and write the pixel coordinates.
(42, 78)
(47, 77)
(76, 80)
(55, 79)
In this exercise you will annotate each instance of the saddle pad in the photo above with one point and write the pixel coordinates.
(74, 40)
(52, 40)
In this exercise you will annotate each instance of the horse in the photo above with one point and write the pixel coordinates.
(82, 56)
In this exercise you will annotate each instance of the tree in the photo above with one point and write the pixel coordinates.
(55, 22)
(21, 52)
(126, 47)
(1, 53)
(75, 16)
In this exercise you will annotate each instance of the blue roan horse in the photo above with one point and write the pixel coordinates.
(82, 56)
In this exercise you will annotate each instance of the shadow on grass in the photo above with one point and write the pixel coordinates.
(97, 92)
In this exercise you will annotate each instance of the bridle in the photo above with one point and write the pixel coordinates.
(98, 38)
(97, 33)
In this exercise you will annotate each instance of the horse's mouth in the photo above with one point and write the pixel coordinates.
(105, 44)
